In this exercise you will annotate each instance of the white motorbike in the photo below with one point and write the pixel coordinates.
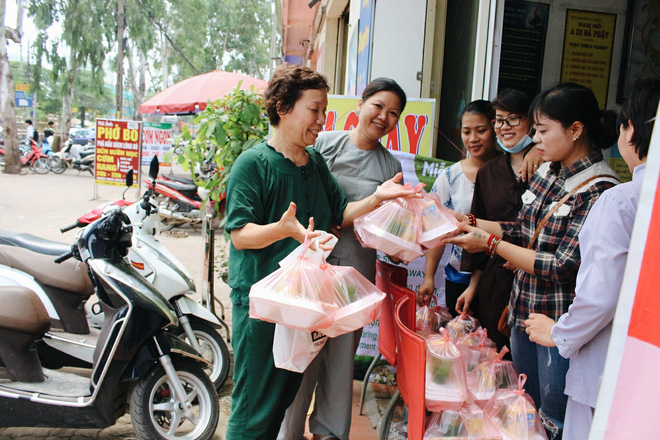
(66, 294)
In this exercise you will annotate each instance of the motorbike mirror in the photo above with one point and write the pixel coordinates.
(129, 182)
(154, 168)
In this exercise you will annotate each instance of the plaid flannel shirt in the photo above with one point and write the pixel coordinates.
(552, 287)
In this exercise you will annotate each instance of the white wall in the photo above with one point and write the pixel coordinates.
(398, 42)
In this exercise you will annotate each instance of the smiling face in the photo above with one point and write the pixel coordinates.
(379, 114)
(556, 143)
(510, 136)
(477, 134)
(302, 125)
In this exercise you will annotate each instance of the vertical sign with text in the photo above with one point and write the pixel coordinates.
(524, 28)
(117, 150)
(156, 141)
(588, 44)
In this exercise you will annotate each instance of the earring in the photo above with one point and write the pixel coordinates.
(575, 139)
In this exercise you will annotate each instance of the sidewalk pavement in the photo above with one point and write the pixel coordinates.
(41, 204)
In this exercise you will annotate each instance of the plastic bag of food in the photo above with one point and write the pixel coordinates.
(393, 228)
(357, 300)
(294, 350)
(298, 295)
(514, 415)
(492, 375)
(446, 388)
(467, 422)
(312, 251)
(429, 320)
(476, 348)
(461, 326)
(437, 222)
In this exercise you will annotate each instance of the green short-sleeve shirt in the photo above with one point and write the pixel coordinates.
(261, 185)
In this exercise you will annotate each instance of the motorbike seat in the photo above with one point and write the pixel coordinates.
(33, 243)
(179, 186)
(23, 320)
(85, 153)
(68, 276)
(23, 311)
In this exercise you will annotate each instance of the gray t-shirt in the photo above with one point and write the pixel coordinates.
(358, 173)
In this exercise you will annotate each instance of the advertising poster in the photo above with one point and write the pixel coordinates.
(588, 44)
(413, 134)
(156, 141)
(22, 95)
(117, 151)
(364, 45)
(628, 399)
(524, 29)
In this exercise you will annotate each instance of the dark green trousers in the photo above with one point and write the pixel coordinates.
(262, 393)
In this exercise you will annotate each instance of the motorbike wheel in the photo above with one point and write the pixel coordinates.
(155, 414)
(41, 165)
(57, 165)
(213, 349)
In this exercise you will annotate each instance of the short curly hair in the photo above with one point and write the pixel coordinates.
(286, 87)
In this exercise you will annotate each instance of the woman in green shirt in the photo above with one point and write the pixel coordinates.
(276, 192)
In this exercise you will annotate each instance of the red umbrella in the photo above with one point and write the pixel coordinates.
(192, 94)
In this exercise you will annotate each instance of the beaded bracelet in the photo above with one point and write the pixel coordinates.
(491, 244)
(472, 219)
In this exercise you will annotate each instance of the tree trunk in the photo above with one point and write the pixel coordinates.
(12, 155)
(67, 99)
(164, 56)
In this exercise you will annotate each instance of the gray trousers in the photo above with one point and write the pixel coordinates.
(331, 373)
(577, 422)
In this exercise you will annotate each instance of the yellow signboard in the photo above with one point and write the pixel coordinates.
(413, 134)
(22, 87)
(588, 43)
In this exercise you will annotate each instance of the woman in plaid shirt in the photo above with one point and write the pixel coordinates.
(569, 136)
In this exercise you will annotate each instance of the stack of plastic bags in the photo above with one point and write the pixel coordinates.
(402, 227)
(471, 390)
(310, 299)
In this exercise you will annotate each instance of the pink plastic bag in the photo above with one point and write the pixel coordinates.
(297, 295)
(429, 320)
(492, 375)
(514, 415)
(461, 326)
(356, 299)
(446, 388)
(393, 228)
(476, 348)
(466, 422)
(437, 222)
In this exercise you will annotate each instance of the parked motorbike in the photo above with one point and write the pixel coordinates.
(32, 157)
(178, 201)
(69, 291)
(135, 360)
(74, 156)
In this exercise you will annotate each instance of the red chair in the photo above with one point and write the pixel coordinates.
(389, 279)
(411, 369)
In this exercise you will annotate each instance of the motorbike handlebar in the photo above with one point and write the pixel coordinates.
(68, 228)
(62, 258)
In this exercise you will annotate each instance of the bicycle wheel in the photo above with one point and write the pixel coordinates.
(41, 165)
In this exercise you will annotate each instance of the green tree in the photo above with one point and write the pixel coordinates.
(87, 36)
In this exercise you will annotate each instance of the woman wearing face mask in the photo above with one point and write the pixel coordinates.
(569, 136)
(455, 186)
(360, 163)
(497, 196)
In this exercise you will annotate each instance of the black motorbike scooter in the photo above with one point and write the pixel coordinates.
(135, 358)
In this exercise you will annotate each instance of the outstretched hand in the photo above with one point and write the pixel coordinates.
(292, 227)
(474, 240)
(391, 189)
